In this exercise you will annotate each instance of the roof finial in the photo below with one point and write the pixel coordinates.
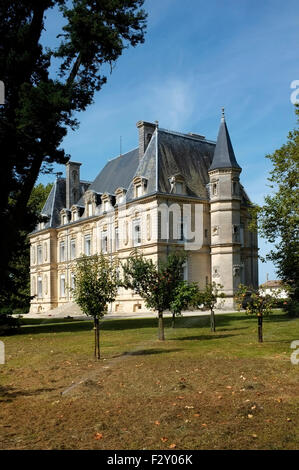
(223, 116)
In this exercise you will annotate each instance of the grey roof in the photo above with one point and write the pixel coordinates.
(224, 156)
(168, 154)
(116, 173)
(187, 156)
(57, 201)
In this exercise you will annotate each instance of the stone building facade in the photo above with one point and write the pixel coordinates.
(173, 192)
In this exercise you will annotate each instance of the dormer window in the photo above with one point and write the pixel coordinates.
(177, 184)
(140, 184)
(91, 199)
(64, 214)
(89, 209)
(120, 195)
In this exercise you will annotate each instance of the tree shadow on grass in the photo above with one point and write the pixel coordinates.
(202, 337)
(147, 352)
(7, 394)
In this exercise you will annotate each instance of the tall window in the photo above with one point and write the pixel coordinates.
(185, 271)
(62, 251)
(104, 242)
(138, 190)
(179, 188)
(136, 233)
(72, 280)
(89, 209)
(106, 205)
(39, 287)
(39, 254)
(87, 245)
(73, 248)
(62, 285)
(116, 239)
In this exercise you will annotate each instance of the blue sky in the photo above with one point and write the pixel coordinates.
(197, 57)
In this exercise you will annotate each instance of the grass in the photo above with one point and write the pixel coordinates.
(196, 390)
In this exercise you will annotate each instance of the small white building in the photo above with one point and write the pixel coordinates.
(275, 287)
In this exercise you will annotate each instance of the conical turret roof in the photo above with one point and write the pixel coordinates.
(224, 156)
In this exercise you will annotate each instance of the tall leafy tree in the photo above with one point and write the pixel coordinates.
(155, 283)
(16, 295)
(278, 217)
(96, 283)
(39, 109)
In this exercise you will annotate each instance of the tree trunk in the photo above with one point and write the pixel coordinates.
(96, 339)
(260, 328)
(173, 320)
(213, 328)
(161, 327)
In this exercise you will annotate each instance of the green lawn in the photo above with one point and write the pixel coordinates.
(196, 390)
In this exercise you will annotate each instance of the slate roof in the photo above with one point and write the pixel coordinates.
(57, 201)
(168, 154)
(224, 156)
(116, 173)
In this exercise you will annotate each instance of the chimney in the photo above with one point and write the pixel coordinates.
(146, 130)
(73, 190)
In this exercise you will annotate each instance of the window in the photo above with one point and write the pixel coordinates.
(138, 190)
(33, 254)
(72, 280)
(89, 209)
(116, 239)
(39, 287)
(214, 189)
(87, 245)
(136, 233)
(179, 188)
(62, 251)
(185, 271)
(73, 248)
(62, 285)
(105, 208)
(39, 254)
(104, 242)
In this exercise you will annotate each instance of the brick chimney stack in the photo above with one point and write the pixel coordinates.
(73, 190)
(146, 130)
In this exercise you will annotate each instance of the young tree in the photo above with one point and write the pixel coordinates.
(255, 303)
(156, 284)
(40, 107)
(209, 297)
(278, 217)
(186, 295)
(96, 283)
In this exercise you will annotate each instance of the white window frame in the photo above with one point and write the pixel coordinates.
(62, 252)
(87, 243)
(39, 254)
(136, 238)
(62, 286)
(39, 286)
(73, 248)
(104, 241)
